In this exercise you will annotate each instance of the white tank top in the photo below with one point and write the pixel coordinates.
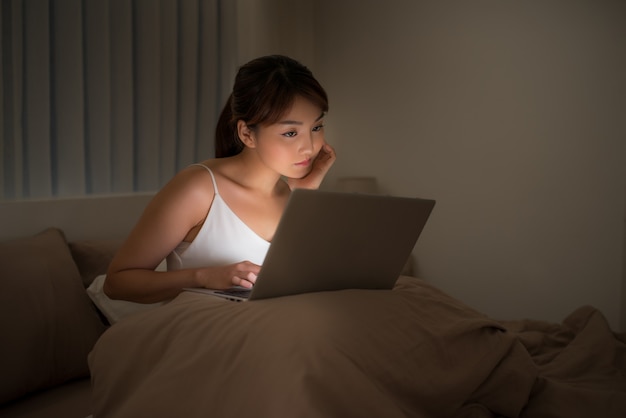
(223, 239)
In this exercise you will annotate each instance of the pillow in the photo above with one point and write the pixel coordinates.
(48, 323)
(114, 309)
(92, 257)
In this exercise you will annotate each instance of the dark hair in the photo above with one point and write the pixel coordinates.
(264, 89)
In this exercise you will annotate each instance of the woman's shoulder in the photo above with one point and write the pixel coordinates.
(214, 167)
(184, 201)
(193, 181)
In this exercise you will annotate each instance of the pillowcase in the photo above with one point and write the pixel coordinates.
(92, 257)
(48, 323)
(114, 309)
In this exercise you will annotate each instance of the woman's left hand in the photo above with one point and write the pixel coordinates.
(322, 163)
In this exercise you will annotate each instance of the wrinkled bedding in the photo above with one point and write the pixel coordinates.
(409, 352)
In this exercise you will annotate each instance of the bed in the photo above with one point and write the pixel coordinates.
(413, 351)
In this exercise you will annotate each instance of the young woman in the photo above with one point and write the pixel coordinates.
(214, 220)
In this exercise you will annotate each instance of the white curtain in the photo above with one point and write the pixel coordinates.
(109, 96)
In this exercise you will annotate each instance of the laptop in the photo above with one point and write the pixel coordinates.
(328, 241)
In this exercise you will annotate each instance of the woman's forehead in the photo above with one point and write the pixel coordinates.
(302, 110)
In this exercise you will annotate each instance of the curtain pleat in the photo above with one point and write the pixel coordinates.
(122, 96)
(169, 91)
(209, 95)
(109, 96)
(67, 91)
(2, 96)
(98, 92)
(148, 93)
(36, 141)
(188, 86)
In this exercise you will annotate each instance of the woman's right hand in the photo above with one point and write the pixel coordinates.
(242, 274)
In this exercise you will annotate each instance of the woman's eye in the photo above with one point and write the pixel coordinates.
(318, 128)
(290, 134)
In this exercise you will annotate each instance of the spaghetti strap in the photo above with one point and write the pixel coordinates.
(212, 176)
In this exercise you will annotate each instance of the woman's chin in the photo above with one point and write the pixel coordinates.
(299, 173)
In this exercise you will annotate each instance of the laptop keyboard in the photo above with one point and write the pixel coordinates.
(238, 292)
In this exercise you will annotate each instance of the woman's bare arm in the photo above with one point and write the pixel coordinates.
(173, 213)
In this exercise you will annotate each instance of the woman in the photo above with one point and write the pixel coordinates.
(214, 220)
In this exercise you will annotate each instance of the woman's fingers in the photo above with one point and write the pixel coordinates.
(244, 280)
(245, 274)
(322, 163)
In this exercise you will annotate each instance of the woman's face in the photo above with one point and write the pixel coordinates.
(290, 145)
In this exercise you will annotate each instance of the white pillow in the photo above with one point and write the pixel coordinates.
(113, 309)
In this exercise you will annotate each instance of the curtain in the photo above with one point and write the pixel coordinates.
(109, 96)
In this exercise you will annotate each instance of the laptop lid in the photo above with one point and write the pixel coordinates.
(333, 241)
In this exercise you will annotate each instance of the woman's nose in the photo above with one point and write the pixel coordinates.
(307, 145)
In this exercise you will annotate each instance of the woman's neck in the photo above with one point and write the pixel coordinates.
(250, 173)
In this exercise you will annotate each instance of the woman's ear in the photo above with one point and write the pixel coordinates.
(246, 135)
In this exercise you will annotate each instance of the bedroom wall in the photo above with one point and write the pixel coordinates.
(276, 27)
(510, 114)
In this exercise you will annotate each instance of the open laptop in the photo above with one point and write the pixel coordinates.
(334, 241)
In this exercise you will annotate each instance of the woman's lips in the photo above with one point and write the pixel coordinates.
(304, 163)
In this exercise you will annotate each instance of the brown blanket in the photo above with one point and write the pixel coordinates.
(410, 352)
(581, 363)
